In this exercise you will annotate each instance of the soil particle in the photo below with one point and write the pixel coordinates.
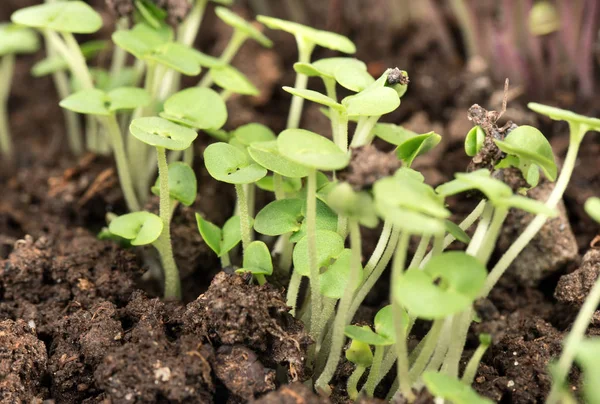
(233, 312)
(240, 370)
(551, 250)
(367, 165)
(22, 362)
(295, 393)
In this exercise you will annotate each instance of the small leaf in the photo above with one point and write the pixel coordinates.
(227, 163)
(358, 205)
(141, 228)
(543, 18)
(290, 185)
(267, 155)
(458, 233)
(159, 132)
(460, 276)
(329, 245)
(141, 39)
(474, 140)
(70, 16)
(493, 189)
(205, 60)
(311, 150)
(238, 23)
(393, 134)
(559, 114)
(198, 108)
(15, 39)
(279, 217)
(329, 66)
(416, 146)
(211, 234)
(92, 102)
(57, 63)
(310, 70)
(231, 79)
(588, 352)
(528, 205)
(335, 280)
(372, 102)
(452, 389)
(175, 56)
(127, 98)
(410, 193)
(384, 322)
(182, 183)
(359, 353)
(232, 235)
(257, 259)
(353, 77)
(326, 220)
(592, 208)
(410, 221)
(315, 96)
(366, 336)
(252, 133)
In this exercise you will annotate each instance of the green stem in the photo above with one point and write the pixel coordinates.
(91, 134)
(311, 234)
(304, 52)
(471, 369)
(225, 260)
(326, 316)
(119, 55)
(460, 329)
(371, 384)
(244, 216)
(442, 346)
(340, 322)
(382, 243)
(163, 244)
(431, 340)
(188, 156)
(353, 380)
(6, 75)
(489, 242)
(481, 230)
(235, 43)
(82, 71)
(114, 133)
(341, 125)
(467, 26)
(401, 348)
(420, 253)
(292, 292)
(363, 135)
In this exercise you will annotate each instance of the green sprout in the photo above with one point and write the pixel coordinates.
(220, 240)
(257, 261)
(410, 145)
(449, 388)
(474, 140)
(162, 134)
(14, 40)
(360, 354)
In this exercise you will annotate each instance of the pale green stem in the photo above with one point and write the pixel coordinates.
(342, 226)
(374, 371)
(471, 369)
(341, 126)
(340, 322)
(326, 316)
(235, 43)
(225, 95)
(304, 52)
(353, 380)
(188, 156)
(78, 64)
(481, 230)
(292, 292)
(119, 55)
(460, 328)
(91, 134)
(442, 346)
(245, 228)
(285, 258)
(6, 75)
(114, 133)
(438, 244)
(487, 248)
(331, 92)
(225, 260)
(363, 135)
(420, 253)
(389, 359)
(401, 348)
(468, 28)
(311, 234)
(382, 243)
(163, 244)
(431, 340)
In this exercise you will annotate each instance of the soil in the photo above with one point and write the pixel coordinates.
(80, 323)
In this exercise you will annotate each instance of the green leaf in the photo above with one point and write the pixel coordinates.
(310, 70)
(458, 233)
(530, 146)
(198, 108)
(231, 79)
(393, 134)
(326, 220)
(460, 276)
(211, 234)
(141, 228)
(57, 63)
(257, 259)
(493, 189)
(474, 140)
(329, 66)
(588, 352)
(353, 76)
(238, 23)
(141, 40)
(254, 132)
(359, 353)
(311, 150)
(335, 280)
(150, 13)
(15, 39)
(375, 101)
(592, 208)
(205, 60)
(290, 185)
(357, 205)
(159, 132)
(559, 114)
(70, 16)
(175, 56)
(409, 193)
(329, 245)
(227, 163)
(410, 221)
(452, 389)
(304, 33)
(366, 336)
(232, 234)
(315, 96)
(416, 146)
(528, 205)
(92, 102)
(279, 217)
(384, 322)
(267, 155)
(182, 183)
(127, 98)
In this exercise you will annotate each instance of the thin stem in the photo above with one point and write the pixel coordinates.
(382, 243)
(244, 216)
(91, 134)
(353, 380)
(487, 248)
(326, 317)
(420, 253)
(442, 346)
(331, 92)
(341, 130)
(114, 133)
(363, 135)
(304, 52)
(471, 369)
(481, 230)
(371, 384)
(79, 64)
(188, 156)
(311, 234)
(163, 244)
(431, 340)
(389, 359)
(6, 75)
(460, 328)
(292, 292)
(339, 324)
(467, 26)
(235, 43)
(119, 55)
(225, 260)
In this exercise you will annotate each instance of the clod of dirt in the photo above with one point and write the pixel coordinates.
(22, 362)
(241, 372)
(232, 312)
(573, 288)
(367, 166)
(295, 393)
(176, 10)
(551, 250)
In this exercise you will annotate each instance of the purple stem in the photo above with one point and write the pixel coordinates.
(586, 62)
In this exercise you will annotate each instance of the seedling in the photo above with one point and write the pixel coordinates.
(231, 80)
(257, 261)
(449, 388)
(182, 185)
(221, 240)
(474, 141)
(140, 228)
(14, 40)
(409, 144)
(162, 135)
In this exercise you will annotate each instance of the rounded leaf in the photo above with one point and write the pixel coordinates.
(329, 66)
(326, 220)
(69, 16)
(198, 108)
(448, 284)
(493, 189)
(232, 19)
(353, 76)
(141, 39)
(159, 132)
(311, 150)
(409, 193)
(15, 39)
(140, 227)
(474, 140)
(314, 96)
(394, 134)
(358, 205)
(176, 56)
(227, 163)
(375, 101)
(252, 133)
(452, 389)
(335, 280)
(592, 208)
(257, 259)
(384, 322)
(231, 79)
(211, 234)
(182, 183)
(290, 185)
(92, 102)
(232, 234)
(267, 155)
(416, 146)
(359, 353)
(279, 217)
(329, 245)
(127, 98)
(559, 114)
(543, 18)
(366, 336)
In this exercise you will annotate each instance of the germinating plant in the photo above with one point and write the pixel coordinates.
(311, 229)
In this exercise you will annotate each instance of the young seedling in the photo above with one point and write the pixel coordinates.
(162, 135)
(360, 354)
(231, 80)
(140, 228)
(220, 240)
(485, 340)
(242, 30)
(183, 186)
(257, 261)
(452, 389)
(307, 39)
(14, 40)
(104, 106)
(410, 145)
(474, 140)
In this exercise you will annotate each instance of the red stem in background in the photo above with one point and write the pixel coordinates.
(585, 64)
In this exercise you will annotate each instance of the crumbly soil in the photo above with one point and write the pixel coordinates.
(81, 323)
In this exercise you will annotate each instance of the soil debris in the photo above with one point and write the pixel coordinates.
(367, 165)
(176, 10)
(295, 393)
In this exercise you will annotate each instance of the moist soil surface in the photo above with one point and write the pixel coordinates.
(81, 323)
